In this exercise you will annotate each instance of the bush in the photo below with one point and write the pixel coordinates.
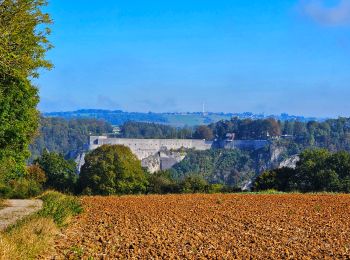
(162, 183)
(61, 174)
(60, 207)
(5, 191)
(194, 184)
(23, 188)
(216, 188)
(35, 173)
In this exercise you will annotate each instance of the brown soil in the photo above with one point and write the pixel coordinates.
(209, 226)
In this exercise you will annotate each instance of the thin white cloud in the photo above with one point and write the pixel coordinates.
(320, 13)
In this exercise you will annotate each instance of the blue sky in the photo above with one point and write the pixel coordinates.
(171, 56)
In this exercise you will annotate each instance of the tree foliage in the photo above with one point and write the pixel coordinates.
(153, 131)
(23, 44)
(19, 122)
(60, 173)
(203, 132)
(220, 166)
(112, 169)
(23, 37)
(66, 136)
(317, 170)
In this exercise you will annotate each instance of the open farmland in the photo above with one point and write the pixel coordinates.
(209, 226)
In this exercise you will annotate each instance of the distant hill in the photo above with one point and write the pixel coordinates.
(118, 117)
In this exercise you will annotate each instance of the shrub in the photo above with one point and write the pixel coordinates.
(61, 174)
(23, 188)
(216, 188)
(60, 207)
(34, 172)
(162, 183)
(194, 184)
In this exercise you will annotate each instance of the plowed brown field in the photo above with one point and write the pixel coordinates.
(209, 226)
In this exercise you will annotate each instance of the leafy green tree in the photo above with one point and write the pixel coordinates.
(311, 162)
(230, 167)
(132, 129)
(194, 184)
(340, 163)
(60, 173)
(23, 44)
(266, 181)
(162, 183)
(204, 132)
(317, 170)
(23, 31)
(327, 180)
(112, 169)
(19, 122)
(65, 136)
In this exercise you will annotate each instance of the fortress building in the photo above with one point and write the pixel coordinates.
(144, 148)
(162, 154)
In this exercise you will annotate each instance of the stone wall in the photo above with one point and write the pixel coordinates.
(143, 148)
(244, 144)
(157, 154)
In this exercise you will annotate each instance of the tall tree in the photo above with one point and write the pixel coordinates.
(23, 44)
(23, 37)
(112, 169)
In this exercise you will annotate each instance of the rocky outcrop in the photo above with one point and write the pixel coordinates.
(162, 160)
(152, 163)
(290, 162)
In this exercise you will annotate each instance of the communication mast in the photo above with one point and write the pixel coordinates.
(203, 111)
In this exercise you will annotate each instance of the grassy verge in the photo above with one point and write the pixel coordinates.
(2, 203)
(34, 236)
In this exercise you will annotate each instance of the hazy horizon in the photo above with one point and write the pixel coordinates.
(184, 112)
(271, 57)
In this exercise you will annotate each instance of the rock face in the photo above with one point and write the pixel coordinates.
(162, 160)
(290, 162)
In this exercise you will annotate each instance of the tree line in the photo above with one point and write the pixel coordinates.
(317, 170)
(108, 170)
(66, 136)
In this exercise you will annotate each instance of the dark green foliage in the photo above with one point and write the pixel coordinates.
(194, 184)
(22, 188)
(63, 136)
(154, 131)
(317, 170)
(162, 183)
(19, 121)
(229, 167)
(27, 186)
(204, 132)
(247, 129)
(60, 173)
(60, 207)
(23, 46)
(278, 179)
(332, 134)
(112, 169)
